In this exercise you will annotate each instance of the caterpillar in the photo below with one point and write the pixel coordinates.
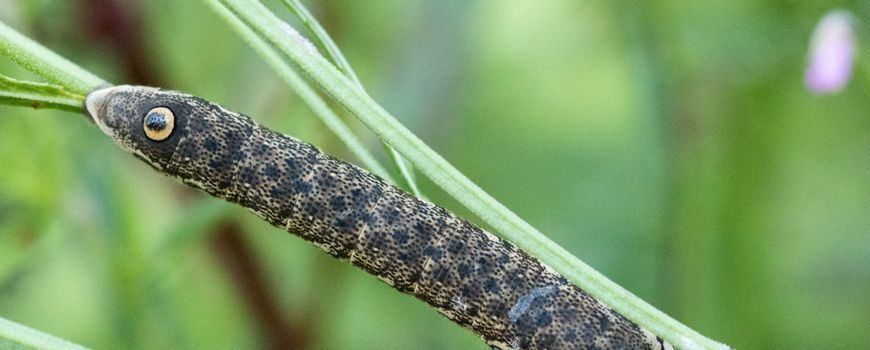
(510, 299)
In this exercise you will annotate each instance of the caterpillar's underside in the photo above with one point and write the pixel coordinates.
(474, 278)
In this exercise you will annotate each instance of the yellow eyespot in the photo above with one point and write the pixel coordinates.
(158, 123)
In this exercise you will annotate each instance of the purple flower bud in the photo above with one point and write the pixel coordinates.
(832, 49)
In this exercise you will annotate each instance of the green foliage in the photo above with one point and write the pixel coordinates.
(672, 146)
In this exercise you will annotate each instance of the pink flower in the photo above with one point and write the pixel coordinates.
(832, 49)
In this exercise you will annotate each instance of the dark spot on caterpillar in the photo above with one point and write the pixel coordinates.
(227, 134)
(503, 259)
(470, 291)
(369, 219)
(327, 181)
(545, 341)
(603, 321)
(312, 158)
(491, 286)
(314, 209)
(401, 235)
(344, 223)
(526, 343)
(570, 335)
(377, 241)
(236, 157)
(337, 204)
(507, 246)
(422, 227)
(271, 171)
(464, 270)
(221, 165)
(392, 216)
(277, 192)
(436, 254)
(441, 275)
(415, 277)
(291, 163)
(544, 319)
(303, 187)
(211, 145)
(484, 266)
(516, 278)
(456, 247)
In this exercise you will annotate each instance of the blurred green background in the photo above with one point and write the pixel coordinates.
(672, 145)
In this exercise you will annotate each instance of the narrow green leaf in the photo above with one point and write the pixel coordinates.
(19, 337)
(508, 225)
(405, 170)
(47, 64)
(333, 53)
(322, 37)
(38, 95)
(305, 92)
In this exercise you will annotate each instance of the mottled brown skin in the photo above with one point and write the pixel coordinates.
(481, 282)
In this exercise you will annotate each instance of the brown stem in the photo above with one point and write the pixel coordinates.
(117, 25)
(238, 259)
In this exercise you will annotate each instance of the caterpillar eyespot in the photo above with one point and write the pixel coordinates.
(512, 300)
(158, 123)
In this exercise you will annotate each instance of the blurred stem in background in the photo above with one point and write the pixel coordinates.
(237, 256)
(118, 26)
(751, 134)
(685, 264)
(720, 161)
(656, 99)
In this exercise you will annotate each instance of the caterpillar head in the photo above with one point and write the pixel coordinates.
(146, 121)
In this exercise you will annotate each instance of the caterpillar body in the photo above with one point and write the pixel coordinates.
(512, 300)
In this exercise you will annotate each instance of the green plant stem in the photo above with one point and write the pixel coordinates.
(45, 63)
(508, 224)
(404, 169)
(37, 95)
(333, 53)
(306, 93)
(16, 336)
